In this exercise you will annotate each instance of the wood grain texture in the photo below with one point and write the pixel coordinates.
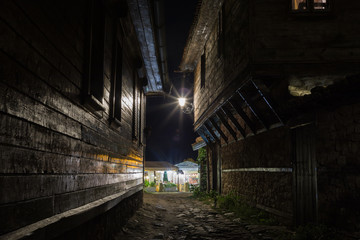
(55, 153)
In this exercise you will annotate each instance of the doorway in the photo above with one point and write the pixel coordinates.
(304, 174)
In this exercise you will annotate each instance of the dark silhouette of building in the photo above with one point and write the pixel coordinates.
(276, 101)
(73, 81)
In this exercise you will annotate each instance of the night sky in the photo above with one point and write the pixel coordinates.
(172, 130)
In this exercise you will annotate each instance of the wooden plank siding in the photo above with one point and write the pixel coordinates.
(55, 153)
(221, 70)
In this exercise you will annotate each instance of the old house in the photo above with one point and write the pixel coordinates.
(276, 101)
(73, 81)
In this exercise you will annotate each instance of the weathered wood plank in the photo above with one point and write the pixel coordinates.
(49, 25)
(22, 26)
(16, 132)
(17, 160)
(15, 188)
(22, 213)
(21, 106)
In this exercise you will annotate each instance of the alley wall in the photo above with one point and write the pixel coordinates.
(56, 154)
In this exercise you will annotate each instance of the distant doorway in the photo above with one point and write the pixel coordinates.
(304, 174)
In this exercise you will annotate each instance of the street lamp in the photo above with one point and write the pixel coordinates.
(185, 106)
(182, 102)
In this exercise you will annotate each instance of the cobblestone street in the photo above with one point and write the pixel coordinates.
(177, 216)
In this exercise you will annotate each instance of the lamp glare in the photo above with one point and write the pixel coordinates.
(182, 102)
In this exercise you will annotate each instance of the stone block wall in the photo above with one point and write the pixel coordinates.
(259, 169)
(338, 150)
(56, 154)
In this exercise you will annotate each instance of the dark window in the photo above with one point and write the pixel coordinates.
(221, 32)
(136, 114)
(116, 84)
(310, 5)
(94, 82)
(141, 117)
(203, 69)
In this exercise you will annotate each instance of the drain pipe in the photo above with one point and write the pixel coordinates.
(160, 35)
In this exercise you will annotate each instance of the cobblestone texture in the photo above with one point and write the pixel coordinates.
(177, 216)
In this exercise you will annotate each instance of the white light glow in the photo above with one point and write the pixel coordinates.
(182, 102)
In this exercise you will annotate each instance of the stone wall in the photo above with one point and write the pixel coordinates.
(259, 169)
(56, 154)
(338, 150)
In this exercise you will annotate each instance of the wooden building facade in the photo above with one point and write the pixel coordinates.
(74, 76)
(276, 101)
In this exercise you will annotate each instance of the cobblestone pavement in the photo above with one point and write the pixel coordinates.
(177, 216)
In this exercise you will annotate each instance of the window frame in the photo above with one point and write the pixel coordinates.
(135, 112)
(220, 32)
(202, 69)
(116, 82)
(94, 74)
(310, 8)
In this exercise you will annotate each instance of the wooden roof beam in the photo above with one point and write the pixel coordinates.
(218, 129)
(252, 107)
(226, 124)
(258, 84)
(202, 135)
(233, 103)
(212, 133)
(234, 121)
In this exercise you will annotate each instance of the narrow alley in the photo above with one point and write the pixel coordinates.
(115, 110)
(181, 217)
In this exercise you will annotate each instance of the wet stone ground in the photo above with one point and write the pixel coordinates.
(178, 216)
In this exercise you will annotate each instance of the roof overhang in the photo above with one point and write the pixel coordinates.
(159, 166)
(142, 17)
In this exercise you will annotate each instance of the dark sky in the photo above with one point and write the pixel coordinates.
(172, 131)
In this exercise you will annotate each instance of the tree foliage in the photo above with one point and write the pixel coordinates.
(165, 179)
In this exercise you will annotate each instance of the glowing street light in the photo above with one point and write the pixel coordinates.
(182, 102)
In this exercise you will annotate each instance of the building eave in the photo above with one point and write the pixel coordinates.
(141, 15)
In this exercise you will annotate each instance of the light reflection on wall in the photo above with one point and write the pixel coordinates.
(302, 87)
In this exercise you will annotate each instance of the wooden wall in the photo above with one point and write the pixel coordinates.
(55, 153)
(284, 42)
(222, 69)
(266, 39)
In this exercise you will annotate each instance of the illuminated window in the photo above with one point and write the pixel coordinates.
(310, 5)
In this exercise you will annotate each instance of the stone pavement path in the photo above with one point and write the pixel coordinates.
(177, 216)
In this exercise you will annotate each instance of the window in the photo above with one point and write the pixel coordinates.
(141, 117)
(310, 5)
(202, 60)
(116, 85)
(94, 81)
(136, 114)
(220, 32)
